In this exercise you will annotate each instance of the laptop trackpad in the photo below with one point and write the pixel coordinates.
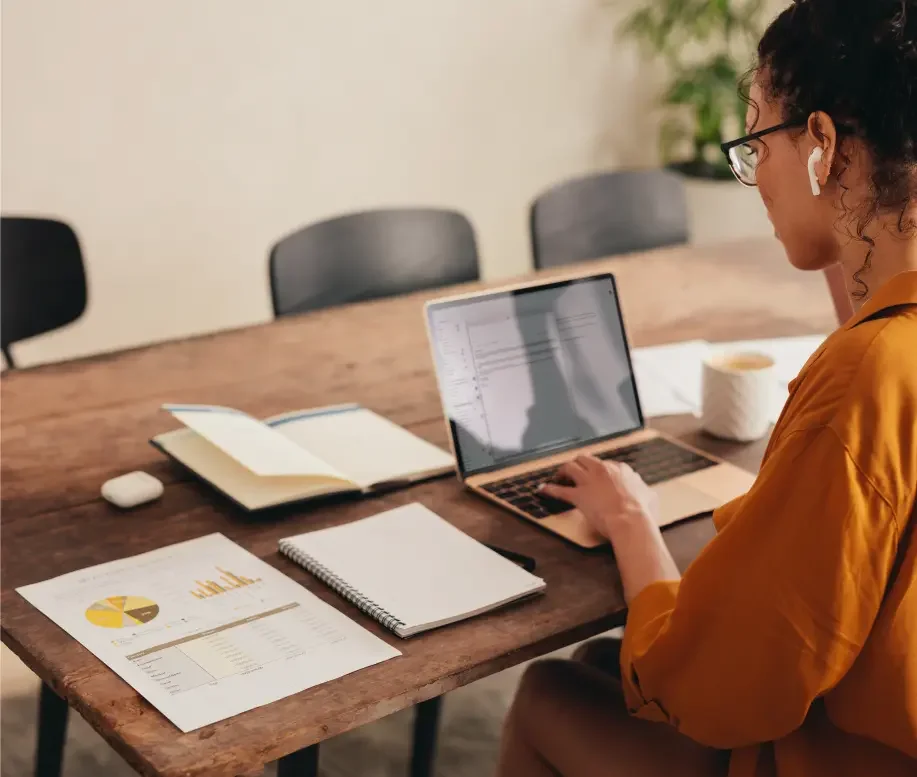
(678, 500)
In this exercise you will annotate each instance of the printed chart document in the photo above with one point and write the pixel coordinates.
(205, 630)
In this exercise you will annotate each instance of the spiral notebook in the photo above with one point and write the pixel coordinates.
(411, 570)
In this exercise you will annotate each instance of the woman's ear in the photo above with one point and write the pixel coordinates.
(821, 132)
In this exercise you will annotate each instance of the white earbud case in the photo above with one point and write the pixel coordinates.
(132, 489)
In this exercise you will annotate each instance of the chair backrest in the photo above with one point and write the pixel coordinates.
(42, 280)
(371, 254)
(608, 214)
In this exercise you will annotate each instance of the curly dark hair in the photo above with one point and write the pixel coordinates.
(856, 60)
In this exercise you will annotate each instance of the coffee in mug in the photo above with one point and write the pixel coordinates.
(737, 395)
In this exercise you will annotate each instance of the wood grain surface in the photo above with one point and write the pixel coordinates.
(68, 427)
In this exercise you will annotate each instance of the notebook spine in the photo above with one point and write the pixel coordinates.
(342, 588)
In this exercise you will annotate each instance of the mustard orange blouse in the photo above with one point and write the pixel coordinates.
(792, 639)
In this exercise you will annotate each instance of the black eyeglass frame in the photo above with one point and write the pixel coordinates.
(727, 147)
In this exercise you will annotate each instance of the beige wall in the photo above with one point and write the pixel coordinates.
(182, 138)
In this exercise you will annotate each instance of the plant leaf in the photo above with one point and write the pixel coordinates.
(672, 132)
(725, 30)
(683, 91)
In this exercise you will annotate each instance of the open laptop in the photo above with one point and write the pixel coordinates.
(534, 375)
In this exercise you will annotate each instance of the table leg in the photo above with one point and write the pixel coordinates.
(52, 731)
(426, 726)
(302, 763)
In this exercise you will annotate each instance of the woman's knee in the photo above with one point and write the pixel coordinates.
(539, 698)
(553, 686)
(541, 679)
(603, 654)
(574, 717)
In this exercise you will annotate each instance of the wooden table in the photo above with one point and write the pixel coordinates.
(66, 428)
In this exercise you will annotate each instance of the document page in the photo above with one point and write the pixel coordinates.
(205, 630)
(669, 377)
(790, 355)
(368, 448)
(250, 442)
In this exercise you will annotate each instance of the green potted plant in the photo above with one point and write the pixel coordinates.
(706, 46)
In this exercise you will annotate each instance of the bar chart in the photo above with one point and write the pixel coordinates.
(227, 581)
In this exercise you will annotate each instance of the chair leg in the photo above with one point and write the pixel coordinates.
(302, 763)
(10, 364)
(426, 727)
(52, 731)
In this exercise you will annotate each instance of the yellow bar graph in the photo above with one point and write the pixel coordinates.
(228, 582)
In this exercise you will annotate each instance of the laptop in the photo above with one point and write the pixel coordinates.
(531, 376)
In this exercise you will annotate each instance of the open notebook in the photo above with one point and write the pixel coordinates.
(299, 455)
(410, 570)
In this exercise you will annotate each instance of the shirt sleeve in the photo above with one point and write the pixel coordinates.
(774, 610)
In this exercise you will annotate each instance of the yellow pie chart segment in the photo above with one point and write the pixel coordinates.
(118, 612)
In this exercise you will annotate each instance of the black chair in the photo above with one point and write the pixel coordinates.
(42, 281)
(608, 214)
(368, 255)
(42, 287)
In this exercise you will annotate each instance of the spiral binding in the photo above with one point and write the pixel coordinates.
(341, 587)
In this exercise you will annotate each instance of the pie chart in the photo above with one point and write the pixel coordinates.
(118, 612)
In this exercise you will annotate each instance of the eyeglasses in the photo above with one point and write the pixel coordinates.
(744, 157)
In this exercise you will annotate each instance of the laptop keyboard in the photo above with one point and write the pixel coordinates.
(655, 460)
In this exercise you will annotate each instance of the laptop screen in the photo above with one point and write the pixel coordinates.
(535, 371)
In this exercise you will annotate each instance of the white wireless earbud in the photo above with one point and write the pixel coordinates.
(814, 159)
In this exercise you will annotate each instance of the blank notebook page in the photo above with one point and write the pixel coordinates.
(365, 446)
(418, 567)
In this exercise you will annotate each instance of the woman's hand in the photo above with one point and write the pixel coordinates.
(605, 492)
(622, 508)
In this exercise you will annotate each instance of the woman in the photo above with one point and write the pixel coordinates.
(789, 647)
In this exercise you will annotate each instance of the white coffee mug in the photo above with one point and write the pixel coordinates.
(738, 393)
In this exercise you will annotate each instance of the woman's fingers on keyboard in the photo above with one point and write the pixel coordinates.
(557, 491)
(570, 472)
(590, 463)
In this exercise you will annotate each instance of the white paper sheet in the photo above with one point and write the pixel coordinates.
(250, 442)
(669, 377)
(204, 630)
(790, 355)
(368, 448)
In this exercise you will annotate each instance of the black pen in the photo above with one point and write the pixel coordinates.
(526, 562)
(390, 485)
